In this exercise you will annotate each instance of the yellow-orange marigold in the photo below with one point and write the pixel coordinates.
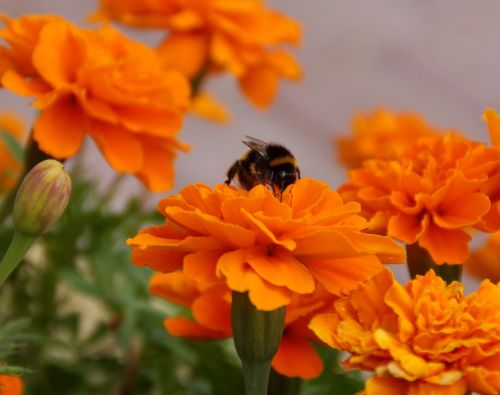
(431, 192)
(211, 310)
(242, 37)
(100, 83)
(422, 338)
(381, 133)
(271, 248)
(10, 165)
(11, 385)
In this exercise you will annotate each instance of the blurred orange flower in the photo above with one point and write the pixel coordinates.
(483, 262)
(430, 192)
(11, 385)
(243, 37)
(101, 83)
(381, 133)
(423, 338)
(254, 242)
(10, 165)
(211, 310)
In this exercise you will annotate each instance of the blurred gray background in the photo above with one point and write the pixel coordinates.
(439, 58)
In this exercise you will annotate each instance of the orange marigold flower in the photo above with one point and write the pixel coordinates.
(272, 248)
(101, 83)
(381, 133)
(10, 165)
(211, 311)
(483, 262)
(425, 337)
(11, 385)
(243, 37)
(430, 193)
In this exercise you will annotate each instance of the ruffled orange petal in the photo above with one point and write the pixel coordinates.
(343, 274)
(185, 52)
(184, 327)
(60, 129)
(229, 234)
(213, 310)
(281, 268)
(406, 227)
(205, 106)
(260, 85)
(493, 121)
(386, 386)
(58, 55)
(14, 82)
(241, 277)
(464, 211)
(121, 148)
(175, 287)
(296, 357)
(201, 266)
(438, 241)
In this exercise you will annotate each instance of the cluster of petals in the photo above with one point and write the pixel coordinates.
(242, 37)
(11, 385)
(100, 83)
(422, 338)
(431, 192)
(273, 248)
(11, 127)
(381, 133)
(210, 307)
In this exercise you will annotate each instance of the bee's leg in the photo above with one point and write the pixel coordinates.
(298, 174)
(231, 173)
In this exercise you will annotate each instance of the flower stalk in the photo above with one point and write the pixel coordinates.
(18, 247)
(419, 262)
(283, 385)
(257, 336)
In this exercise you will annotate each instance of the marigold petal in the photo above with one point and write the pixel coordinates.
(464, 211)
(260, 85)
(184, 327)
(185, 52)
(386, 386)
(229, 234)
(175, 287)
(280, 268)
(493, 121)
(437, 240)
(11, 385)
(205, 106)
(121, 148)
(60, 129)
(14, 82)
(324, 327)
(383, 247)
(52, 58)
(241, 277)
(406, 227)
(343, 274)
(296, 357)
(201, 266)
(213, 310)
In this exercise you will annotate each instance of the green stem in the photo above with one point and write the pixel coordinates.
(33, 157)
(420, 262)
(19, 246)
(283, 385)
(257, 336)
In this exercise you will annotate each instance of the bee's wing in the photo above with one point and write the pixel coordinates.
(256, 144)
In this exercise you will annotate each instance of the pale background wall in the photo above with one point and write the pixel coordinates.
(440, 58)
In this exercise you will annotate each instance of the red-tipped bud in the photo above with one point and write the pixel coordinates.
(41, 198)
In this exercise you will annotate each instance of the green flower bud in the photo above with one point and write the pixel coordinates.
(41, 198)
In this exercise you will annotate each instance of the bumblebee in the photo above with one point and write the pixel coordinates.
(264, 163)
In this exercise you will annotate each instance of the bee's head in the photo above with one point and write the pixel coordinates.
(284, 178)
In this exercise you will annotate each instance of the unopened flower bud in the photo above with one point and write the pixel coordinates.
(41, 198)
